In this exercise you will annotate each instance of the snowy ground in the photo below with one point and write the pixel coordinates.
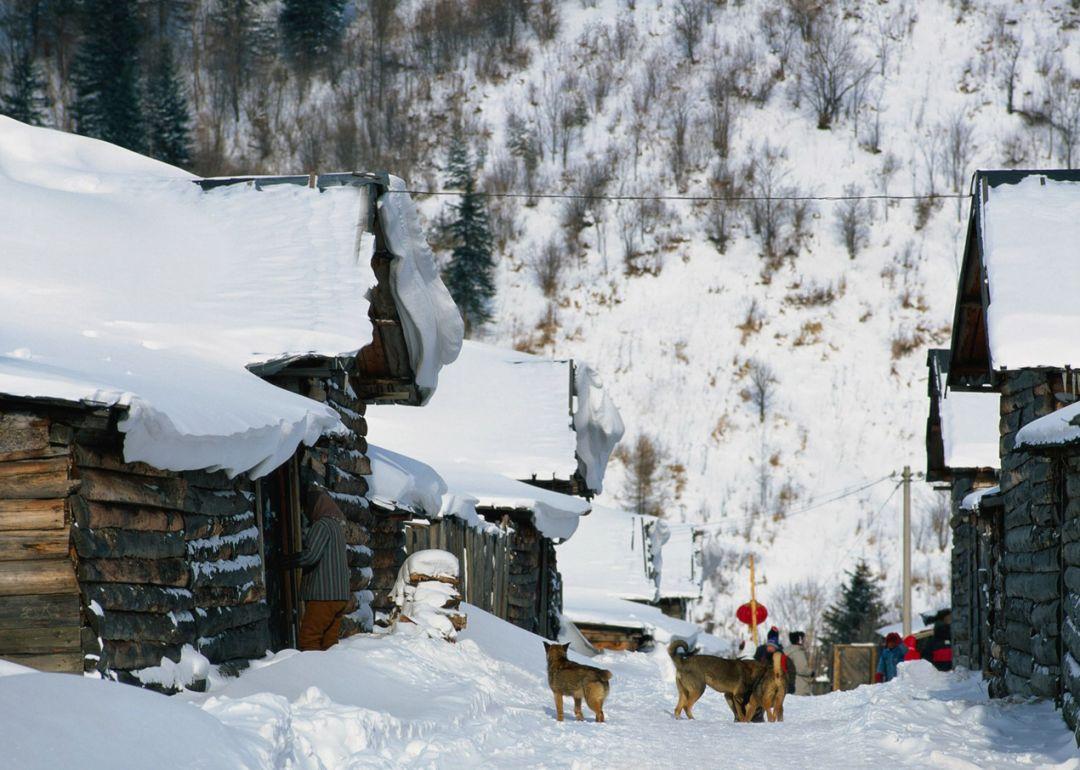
(410, 701)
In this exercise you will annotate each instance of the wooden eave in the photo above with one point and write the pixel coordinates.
(936, 364)
(969, 352)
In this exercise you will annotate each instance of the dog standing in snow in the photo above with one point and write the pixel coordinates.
(736, 679)
(768, 693)
(576, 680)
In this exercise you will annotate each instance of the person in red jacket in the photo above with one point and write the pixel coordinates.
(912, 649)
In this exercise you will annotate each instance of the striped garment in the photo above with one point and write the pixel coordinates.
(326, 569)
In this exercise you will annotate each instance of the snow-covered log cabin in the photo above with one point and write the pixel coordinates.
(180, 359)
(961, 457)
(1014, 334)
(498, 471)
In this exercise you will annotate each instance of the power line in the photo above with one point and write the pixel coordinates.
(703, 198)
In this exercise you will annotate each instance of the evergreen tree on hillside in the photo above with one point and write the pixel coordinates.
(106, 74)
(310, 29)
(469, 274)
(167, 118)
(858, 612)
(23, 97)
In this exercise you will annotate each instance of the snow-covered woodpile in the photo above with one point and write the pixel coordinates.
(1015, 335)
(427, 593)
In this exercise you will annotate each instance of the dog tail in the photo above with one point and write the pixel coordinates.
(605, 675)
(673, 651)
(778, 665)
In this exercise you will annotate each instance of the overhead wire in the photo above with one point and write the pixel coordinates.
(677, 197)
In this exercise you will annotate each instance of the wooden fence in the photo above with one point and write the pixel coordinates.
(853, 665)
(484, 557)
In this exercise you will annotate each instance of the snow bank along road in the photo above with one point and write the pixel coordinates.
(410, 701)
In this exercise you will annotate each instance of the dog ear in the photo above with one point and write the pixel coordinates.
(566, 647)
(547, 646)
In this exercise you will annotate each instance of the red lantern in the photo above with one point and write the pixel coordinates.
(743, 613)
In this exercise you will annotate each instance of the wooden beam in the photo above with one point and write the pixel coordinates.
(57, 662)
(20, 545)
(39, 611)
(26, 641)
(23, 435)
(31, 514)
(41, 576)
(36, 479)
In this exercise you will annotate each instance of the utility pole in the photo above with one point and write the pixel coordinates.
(906, 617)
(753, 604)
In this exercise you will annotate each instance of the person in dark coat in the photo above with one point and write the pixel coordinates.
(938, 649)
(324, 586)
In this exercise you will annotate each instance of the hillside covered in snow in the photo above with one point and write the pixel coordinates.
(767, 338)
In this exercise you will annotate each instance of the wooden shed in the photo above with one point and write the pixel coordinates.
(962, 457)
(1015, 335)
(158, 433)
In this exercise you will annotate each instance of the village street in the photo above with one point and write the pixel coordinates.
(410, 701)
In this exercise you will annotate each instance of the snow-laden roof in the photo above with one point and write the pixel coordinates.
(969, 429)
(973, 500)
(125, 284)
(680, 562)
(399, 481)
(1055, 429)
(613, 551)
(505, 412)
(1029, 234)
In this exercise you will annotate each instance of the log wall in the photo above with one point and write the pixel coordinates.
(1029, 638)
(965, 634)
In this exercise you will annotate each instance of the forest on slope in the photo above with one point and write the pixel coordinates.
(764, 341)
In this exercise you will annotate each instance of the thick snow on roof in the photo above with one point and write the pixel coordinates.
(506, 412)
(969, 429)
(403, 482)
(680, 562)
(125, 284)
(1029, 236)
(612, 551)
(1054, 429)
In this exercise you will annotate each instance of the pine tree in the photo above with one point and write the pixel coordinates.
(106, 74)
(24, 97)
(469, 274)
(859, 611)
(310, 29)
(167, 118)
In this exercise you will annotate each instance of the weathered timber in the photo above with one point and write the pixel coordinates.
(56, 662)
(348, 484)
(19, 545)
(198, 526)
(162, 572)
(169, 492)
(39, 640)
(95, 457)
(1072, 579)
(215, 620)
(138, 597)
(223, 596)
(1029, 539)
(95, 515)
(43, 611)
(244, 543)
(116, 543)
(1031, 561)
(1044, 650)
(359, 579)
(36, 479)
(22, 433)
(31, 514)
(42, 576)
(1044, 614)
(125, 655)
(356, 534)
(358, 557)
(250, 641)
(174, 628)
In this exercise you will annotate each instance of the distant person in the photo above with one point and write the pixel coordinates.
(912, 648)
(324, 586)
(938, 649)
(800, 661)
(889, 658)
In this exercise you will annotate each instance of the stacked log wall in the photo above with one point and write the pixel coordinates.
(340, 463)
(964, 615)
(1030, 558)
(1070, 632)
(534, 591)
(989, 524)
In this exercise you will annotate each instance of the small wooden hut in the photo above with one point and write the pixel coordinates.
(1014, 334)
(158, 434)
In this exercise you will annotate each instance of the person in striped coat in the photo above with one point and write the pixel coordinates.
(324, 586)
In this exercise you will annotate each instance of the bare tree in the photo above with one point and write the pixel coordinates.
(680, 123)
(761, 392)
(688, 23)
(852, 220)
(831, 68)
(959, 146)
(1064, 95)
(1011, 48)
(799, 606)
(890, 164)
(646, 490)
(548, 266)
(724, 206)
(772, 208)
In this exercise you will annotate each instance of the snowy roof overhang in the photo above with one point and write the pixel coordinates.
(986, 497)
(1015, 305)
(128, 286)
(962, 427)
(517, 415)
(614, 551)
(1054, 431)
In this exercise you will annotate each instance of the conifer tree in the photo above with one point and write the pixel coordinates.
(106, 74)
(310, 29)
(469, 273)
(24, 97)
(858, 612)
(167, 118)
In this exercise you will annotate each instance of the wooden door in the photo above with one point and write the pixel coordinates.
(280, 523)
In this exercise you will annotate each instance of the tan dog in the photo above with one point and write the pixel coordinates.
(734, 678)
(576, 680)
(768, 693)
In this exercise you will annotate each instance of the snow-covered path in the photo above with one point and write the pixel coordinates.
(408, 701)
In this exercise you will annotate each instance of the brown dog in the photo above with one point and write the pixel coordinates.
(768, 693)
(734, 678)
(576, 680)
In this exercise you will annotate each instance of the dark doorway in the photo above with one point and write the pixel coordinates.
(279, 503)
